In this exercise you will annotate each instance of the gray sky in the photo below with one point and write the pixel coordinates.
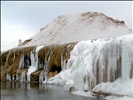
(23, 19)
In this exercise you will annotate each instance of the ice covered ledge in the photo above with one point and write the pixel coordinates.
(95, 62)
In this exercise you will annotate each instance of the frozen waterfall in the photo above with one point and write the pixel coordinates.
(96, 61)
(34, 62)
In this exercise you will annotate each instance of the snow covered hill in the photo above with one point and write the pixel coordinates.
(77, 27)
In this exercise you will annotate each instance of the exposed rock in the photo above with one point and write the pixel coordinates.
(12, 67)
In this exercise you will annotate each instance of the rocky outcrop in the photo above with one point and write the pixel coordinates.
(25, 42)
(16, 62)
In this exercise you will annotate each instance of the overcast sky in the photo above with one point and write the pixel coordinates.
(23, 19)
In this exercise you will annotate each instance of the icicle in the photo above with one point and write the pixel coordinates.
(32, 68)
(86, 82)
(64, 55)
(47, 66)
(62, 63)
(126, 59)
(114, 57)
(21, 65)
(32, 57)
(8, 77)
(21, 62)
(28, 77)
(17, 76)
(23, 76)
(48, 62)
(41, 77)
(101, 68)
(34, 62)
(109, 66)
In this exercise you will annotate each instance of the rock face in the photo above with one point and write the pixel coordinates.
(78, 27)
(27, 63)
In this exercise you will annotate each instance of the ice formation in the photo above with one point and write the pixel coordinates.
(47, 64)
(21, 65)
(23, 75)
(126, 87)
(41, 77)
(34, 62)
(60, 78)
(8, 75)
(21, 62)
(100, 58)
(97, 61)
(64, 56)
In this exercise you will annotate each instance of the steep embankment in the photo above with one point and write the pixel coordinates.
(77, 27)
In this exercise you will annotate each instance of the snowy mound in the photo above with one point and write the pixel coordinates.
(78, 27)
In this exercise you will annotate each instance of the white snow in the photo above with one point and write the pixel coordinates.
(60, 78)
(78, 27)
(118, 87)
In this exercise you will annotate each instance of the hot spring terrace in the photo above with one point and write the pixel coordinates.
(86, 64)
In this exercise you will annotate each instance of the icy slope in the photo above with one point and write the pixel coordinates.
(77, 27)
